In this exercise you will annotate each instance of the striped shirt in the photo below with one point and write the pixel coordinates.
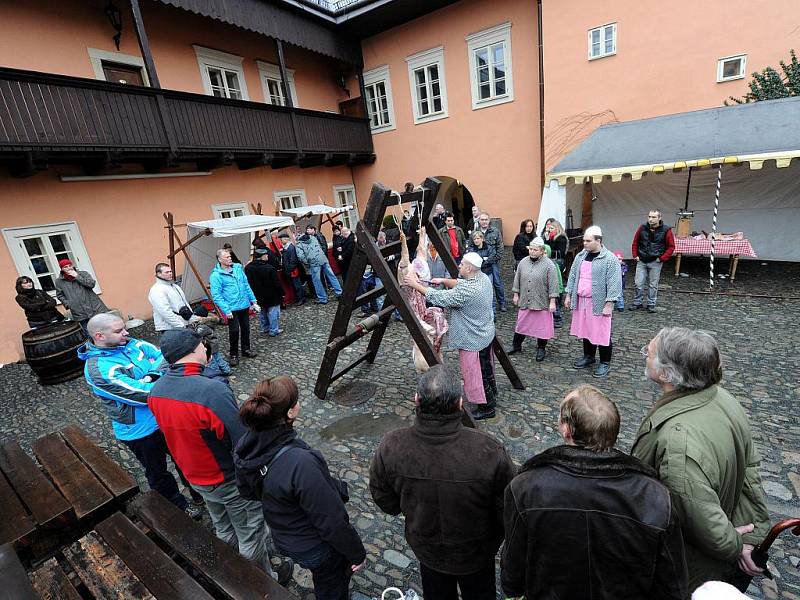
(471, 316)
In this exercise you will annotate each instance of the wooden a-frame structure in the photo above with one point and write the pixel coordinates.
(366, 252)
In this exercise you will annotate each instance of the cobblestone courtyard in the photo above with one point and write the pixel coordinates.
(761, 367)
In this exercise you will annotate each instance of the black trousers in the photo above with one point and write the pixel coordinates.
(487, 375)
(520, 337)
(590, 349)
(152, 452)
(239, 320)
(475, 586)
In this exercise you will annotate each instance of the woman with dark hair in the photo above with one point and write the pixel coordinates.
(527, 231)
(39, 306)
(302, 503)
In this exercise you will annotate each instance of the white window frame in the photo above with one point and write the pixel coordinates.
(602, 30)
(97, 56)
(207, 57)
(279, 195)
(269, 71)
(377, 75)
(14, 236)
(423, 60)
(218, 209)
(481, 39)
(350, 217)
(721, 63)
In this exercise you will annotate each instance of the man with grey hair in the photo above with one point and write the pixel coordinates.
(494, 240)
(448, 481)
(472, 332)
(653, 245)
(438, 217)
(698, 439)
(121, 371)
(572, 530)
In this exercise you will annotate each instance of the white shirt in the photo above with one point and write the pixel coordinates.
(167, 298)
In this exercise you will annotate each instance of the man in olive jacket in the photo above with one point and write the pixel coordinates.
(448, 481)
(698, 440)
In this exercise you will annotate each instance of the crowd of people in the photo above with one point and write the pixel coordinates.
(684, 508)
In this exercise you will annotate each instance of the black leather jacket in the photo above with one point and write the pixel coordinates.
(591, 526)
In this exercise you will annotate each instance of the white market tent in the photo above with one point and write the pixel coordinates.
(314, 209)
(204, 236)
(637, 166)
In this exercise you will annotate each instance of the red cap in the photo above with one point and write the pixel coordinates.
(64, 262)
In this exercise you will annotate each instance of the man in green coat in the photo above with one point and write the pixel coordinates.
(698, 439)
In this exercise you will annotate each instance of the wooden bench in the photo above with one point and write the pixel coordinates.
(84, 485)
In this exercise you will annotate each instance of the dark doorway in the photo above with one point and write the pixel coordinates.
(119, 73)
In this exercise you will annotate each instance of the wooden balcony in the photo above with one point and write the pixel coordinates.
(52, 119)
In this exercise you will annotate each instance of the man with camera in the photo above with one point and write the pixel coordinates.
(171, 310)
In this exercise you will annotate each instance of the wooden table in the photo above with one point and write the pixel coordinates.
(77, 485)
(733, 248)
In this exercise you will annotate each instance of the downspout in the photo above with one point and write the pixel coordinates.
(541, 93)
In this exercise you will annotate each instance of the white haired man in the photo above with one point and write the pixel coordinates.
(472, 332)
(698, 439)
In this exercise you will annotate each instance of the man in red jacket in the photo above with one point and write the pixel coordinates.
(652, 246)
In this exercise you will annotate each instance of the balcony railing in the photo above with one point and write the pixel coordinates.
(54, 118)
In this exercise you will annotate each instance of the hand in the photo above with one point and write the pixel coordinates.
(636, 259)
(745, 561)
(608, 309)
(552, 307)
(567, 302)
(355, 568)
(515, 299)
(436, 281)
(256, 307)
(229, 315)
(411, 279)
(658, 260)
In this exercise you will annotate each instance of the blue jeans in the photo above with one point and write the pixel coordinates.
(298, 289)
(647, 273)
(219, 363)
(330, 571)
(270, 320)
(621, 299)
(370, 282)
(316, 276)
(498, 285)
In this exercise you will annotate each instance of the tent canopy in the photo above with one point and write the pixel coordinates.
(203, 251)
(745, 133)
(315, 209)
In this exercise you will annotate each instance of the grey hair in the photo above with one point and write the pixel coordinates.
(438, 391)
(689, 359)
(484, 213)
(101, 322)
(221, 251)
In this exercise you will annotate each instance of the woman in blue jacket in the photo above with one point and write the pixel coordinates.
(232, 294)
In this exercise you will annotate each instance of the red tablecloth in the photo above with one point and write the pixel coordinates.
(691, 246)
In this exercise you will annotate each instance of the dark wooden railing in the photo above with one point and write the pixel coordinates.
(54, 114)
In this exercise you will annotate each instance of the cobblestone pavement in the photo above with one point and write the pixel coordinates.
(761, 366)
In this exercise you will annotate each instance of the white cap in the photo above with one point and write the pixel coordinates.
(474, 259)
(717, 590)
(594, 230)
(537, 241)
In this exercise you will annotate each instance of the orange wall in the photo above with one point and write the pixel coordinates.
(123, 229)
(72, 26)
(666, 59)
(494, 151)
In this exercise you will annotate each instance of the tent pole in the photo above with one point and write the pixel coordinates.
(714, 228)
(688, 183)
(189, 241)
(171, 227)
(190, 262)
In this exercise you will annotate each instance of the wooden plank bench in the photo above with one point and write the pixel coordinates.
(224, 568)
(13, 580)
(51, 583)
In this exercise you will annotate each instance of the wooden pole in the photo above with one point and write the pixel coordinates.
(144, 45)
(171, 231)
(287, 93)
(192, 266)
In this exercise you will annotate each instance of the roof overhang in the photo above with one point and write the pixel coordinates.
(744, 134)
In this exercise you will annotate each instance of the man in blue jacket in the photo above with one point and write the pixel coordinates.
(232, 294)
(121, 371)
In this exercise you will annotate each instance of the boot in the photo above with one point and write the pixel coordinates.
(517, 343)
(540, 351)
(234, 360)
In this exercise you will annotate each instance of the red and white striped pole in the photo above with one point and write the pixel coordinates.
(714, 228)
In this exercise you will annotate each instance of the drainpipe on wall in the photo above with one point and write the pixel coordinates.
(541, 92)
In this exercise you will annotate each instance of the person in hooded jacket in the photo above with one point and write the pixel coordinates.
(263, 279)
(39, 306)
(302, 503)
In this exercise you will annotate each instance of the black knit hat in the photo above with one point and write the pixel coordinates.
(177, 343)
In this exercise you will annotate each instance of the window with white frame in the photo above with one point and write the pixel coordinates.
(271, 84)
(36, 251)
(118, 67)
(378, 90)
(345, 195)
(731, 67)
(222, 74)
(428, 88)
(603, 41)
(232, 209)
(290, 199)
(491, 77)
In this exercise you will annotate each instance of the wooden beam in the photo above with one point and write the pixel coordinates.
(171, 233)
(287, 92)
(144, 44)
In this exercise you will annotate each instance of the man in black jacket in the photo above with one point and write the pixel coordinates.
(448, 481)
(291, 267)
(587, 521)
(263, 280)
(343, 248)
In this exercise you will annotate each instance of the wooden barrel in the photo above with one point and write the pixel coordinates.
(52, 351)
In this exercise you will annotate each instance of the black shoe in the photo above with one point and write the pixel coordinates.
(249, 353)
(636, 307)
(584, 362)
(651, 309)
(540, 354)
(514, 351)
(233, 360)
(195, 512)
(558, 323)
(284, 571)
(482, 412)
(602, 370)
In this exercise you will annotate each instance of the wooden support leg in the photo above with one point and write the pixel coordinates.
(734, 264)
(677, 264)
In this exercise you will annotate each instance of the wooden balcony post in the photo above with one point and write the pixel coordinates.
(363, 90)
(144, 45)
(287, 93)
